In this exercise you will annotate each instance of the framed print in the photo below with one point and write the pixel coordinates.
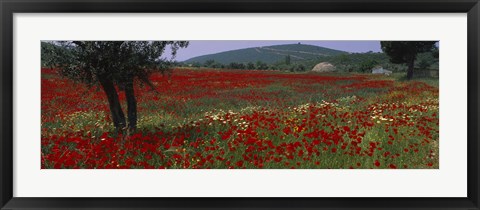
(239, 105)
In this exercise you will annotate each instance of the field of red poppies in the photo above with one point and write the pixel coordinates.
(224, 119)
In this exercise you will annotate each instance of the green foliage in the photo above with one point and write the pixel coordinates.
(343, 59)
(261, 65)
(196, 64)
(287, 59)
(367, 65)
(428, 60)
(209, 63)
(405, 51)
(235, 65)
(217, 65)
(297, 67)
(423, 63)
(300, 67)
(116, 60)
(435, 53)
(54, 54)
(250, 65)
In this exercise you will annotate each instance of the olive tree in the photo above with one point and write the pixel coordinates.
(110, 64)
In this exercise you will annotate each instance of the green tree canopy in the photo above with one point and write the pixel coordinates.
(406, 52)
(287, 59)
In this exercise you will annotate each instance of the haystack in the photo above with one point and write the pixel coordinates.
(323, 67)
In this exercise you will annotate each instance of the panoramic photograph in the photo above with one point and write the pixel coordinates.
(239, 104)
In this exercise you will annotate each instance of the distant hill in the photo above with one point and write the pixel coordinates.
(269, 54)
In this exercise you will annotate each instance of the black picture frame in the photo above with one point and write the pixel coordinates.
(9, 7)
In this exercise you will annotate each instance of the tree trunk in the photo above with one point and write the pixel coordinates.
(132, 104)
(411, 65)
(115, 108)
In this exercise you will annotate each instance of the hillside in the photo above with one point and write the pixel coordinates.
(269, 54)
